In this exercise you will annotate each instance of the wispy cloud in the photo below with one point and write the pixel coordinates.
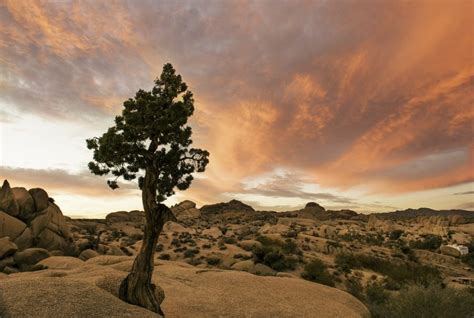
(371, 93)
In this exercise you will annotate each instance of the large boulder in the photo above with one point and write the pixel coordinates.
(312, 210)
(88, 291)
(7, 262)
(249, 245)
(10, 226)
(88, 254)
(26, 203)
(185, 210)
(450, 250)
(50, 231)
(7, 247)
(173, 227)
(246, 266)
(30, 256)
(62, 298)
(24, 240)
(125, 217)
(213, 232)
(7, 200)
(52, 241)
(62, 262)
(40, 197)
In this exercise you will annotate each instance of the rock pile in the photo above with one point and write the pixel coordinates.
(30, 224)
(231, 206)
(185, 210)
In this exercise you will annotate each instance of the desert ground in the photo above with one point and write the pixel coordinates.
(228, 260)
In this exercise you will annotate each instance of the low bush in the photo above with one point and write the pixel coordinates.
(355, 288)
(395, 235)
(213, 260)
(316, 271)
(276, 254)
(428, 242)
(166, 257)
(406, 272)
(421, 302)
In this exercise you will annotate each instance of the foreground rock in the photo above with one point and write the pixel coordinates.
(86, 290)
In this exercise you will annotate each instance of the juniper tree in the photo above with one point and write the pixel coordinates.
(150, 142)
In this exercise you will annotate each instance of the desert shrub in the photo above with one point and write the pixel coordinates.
(406, 272)
(469, 259)
(206, 246)
(290, 247)
(213, 260)
(175, 242)
(137, 237)
(229, 240)
(355, 288)
(316, 271)
(116, 235)
(376, 293)
(346, 262)
(395, 235)
(420, 302)
(278, 255)
(428, 242)
(159, 247)
(191, 252)
(194, 261)
(374, 239)
(166, 257)
(291, 233)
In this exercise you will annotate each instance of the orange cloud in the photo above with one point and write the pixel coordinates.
(352, 93)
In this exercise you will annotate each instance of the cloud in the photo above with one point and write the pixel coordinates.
(353, 93)
(464, 193)
(61, 181)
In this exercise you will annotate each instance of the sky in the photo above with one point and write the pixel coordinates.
(366, 105)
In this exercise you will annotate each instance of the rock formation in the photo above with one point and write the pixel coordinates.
(30, 219)
(185, 210)
(89, 289)
(231, 206)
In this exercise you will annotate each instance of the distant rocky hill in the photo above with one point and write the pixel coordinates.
(231, 206)
(413, 213)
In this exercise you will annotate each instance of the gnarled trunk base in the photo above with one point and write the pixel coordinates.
(134, 291)
(137, 288)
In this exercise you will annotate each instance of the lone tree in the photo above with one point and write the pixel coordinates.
(150, 140)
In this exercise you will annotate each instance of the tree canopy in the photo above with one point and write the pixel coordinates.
(151, 135)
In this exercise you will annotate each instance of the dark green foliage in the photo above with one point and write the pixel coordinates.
(469, 258)
(191, 252)
(406, 272)
(276, 254)
(213, 260)
(316, 271)
(420, 302)
(152, 134)
(166, 257)
(229, 240)
(376, 293)
(355, 288)
(395, 235)
(429, 242)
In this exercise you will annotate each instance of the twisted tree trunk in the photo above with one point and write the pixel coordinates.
(137, 288)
